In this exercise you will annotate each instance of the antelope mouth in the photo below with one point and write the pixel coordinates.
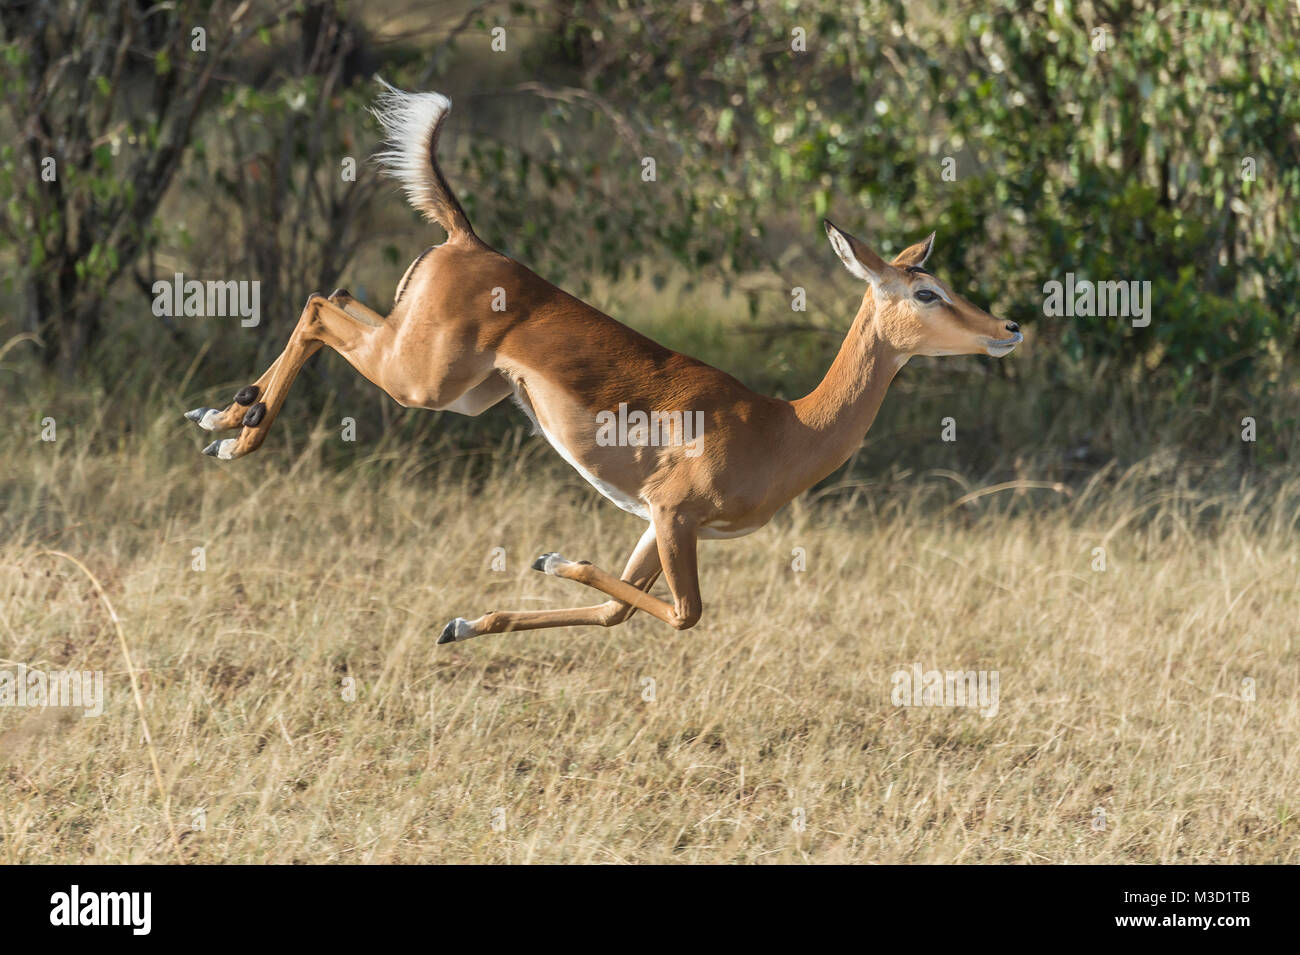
(1003, 346)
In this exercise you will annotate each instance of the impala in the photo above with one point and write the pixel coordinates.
(470, 326)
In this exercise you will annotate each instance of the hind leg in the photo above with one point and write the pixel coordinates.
(216, 419)
(322, 322)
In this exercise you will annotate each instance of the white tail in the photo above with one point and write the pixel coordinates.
(412, 122)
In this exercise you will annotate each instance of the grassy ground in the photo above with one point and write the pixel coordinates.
(1124, 693)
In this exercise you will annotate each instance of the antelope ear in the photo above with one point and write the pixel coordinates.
(915, 255)
(855, 255)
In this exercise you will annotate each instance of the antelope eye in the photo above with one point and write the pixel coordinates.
(927, 296)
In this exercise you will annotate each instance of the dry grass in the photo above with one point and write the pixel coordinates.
(1120, 690)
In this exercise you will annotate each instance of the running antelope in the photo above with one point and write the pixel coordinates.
(470, 326)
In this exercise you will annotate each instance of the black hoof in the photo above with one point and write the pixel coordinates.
(196, 415)
(340, 291)
(540, 563)
(254, 415)
(247, 395)
(211, 449)
(448, 634)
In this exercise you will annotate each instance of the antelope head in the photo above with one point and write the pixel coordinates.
(916, 312)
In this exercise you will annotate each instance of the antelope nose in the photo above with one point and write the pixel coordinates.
(1013, 327)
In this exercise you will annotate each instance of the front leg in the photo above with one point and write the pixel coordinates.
(679, 538)
(641, 572)
(672, 539)
(676, 537)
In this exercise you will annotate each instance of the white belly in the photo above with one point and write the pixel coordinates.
(709, 532)
(625, 501)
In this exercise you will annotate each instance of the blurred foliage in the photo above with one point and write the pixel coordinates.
(103, 100)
